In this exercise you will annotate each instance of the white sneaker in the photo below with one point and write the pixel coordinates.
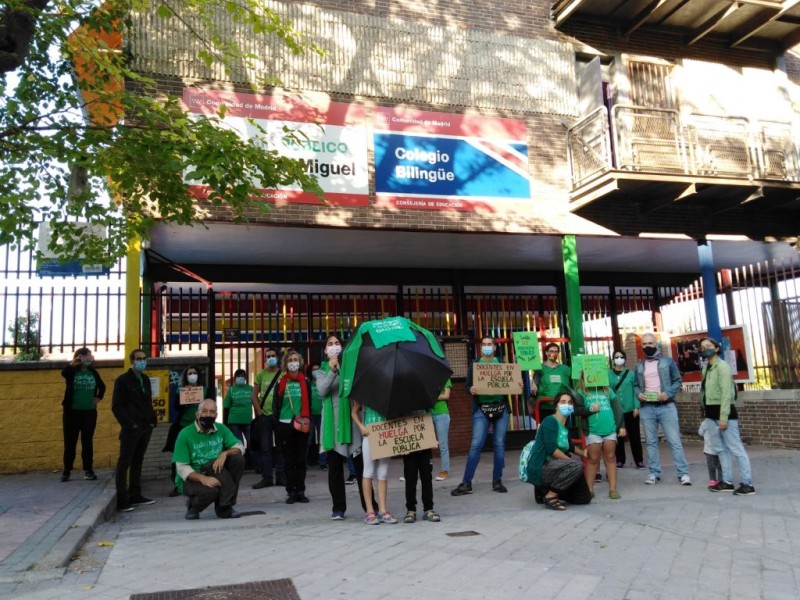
(402, 478)
(652, 479)
(441, 476)
(685, 480)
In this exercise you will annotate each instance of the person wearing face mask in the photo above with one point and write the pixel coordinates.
(84, 389)
(487, 411)
(292, 401)
(132, 405)
(314, 434)
(556, 476)
(184, 414)
(340, 437)
(237, 407)
(209, 464)
(656, 383)
(718, 397)
(264, 387)
(620, 380)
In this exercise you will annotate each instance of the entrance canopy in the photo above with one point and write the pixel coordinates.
(225, 252)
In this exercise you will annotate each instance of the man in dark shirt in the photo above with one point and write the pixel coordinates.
(132, 405)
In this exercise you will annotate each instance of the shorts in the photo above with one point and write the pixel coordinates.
(599, 439)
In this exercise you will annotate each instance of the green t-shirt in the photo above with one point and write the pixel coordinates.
(554, 380)
(563, 438)
(83, 386)
(196, 448)
(262, 380)
(239, 400)
(625, 394)
(602, 422)
(316, 399)
(292, 401)
(440, 407)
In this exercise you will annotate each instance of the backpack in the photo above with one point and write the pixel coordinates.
(524, 457)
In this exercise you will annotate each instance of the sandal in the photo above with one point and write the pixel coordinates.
(410, 517)
(553, 503)
(371, 519)
(387, 518)
(431, 515)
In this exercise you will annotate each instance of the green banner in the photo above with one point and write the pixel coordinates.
(526, 350)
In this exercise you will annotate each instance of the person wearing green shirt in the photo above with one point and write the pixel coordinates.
(264, 386)
(441, 424)
(209, 464)
(605, 424)
(556, 476)
(238, 406)
(487, 411)
(554, 377)
(84, 389)
(621, 381)
(718, 393)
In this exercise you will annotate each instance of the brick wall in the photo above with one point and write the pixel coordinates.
(766, 417)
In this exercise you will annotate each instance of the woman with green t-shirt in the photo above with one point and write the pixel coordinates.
(605, 424)
(84, 389)
(237, 408)
(556, 476)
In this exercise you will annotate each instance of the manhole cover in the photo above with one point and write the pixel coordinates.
(278, 589)
(463, 533)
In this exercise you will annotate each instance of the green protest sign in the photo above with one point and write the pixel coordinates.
(526, 350)
(577, 365)
(595, 370)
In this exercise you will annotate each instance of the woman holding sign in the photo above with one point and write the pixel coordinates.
(379, 468)
(621, 382)
(605, 424)
(489, 410)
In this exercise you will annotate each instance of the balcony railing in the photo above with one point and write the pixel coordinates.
(659, 141)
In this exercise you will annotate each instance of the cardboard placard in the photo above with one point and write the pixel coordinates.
(526, 350)
(595, 370)
(496, 378)
(401, 436)
(191, 394)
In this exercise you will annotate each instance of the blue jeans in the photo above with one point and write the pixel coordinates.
(480, 428)
(727, 444)
(441, 423)
(666, 415)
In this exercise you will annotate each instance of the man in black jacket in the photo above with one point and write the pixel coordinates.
(132, 405)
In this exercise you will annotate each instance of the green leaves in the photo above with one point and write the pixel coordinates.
(125, 175)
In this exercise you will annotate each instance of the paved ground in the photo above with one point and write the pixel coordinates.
(664, 541)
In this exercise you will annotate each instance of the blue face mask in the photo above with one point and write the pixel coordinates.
(272, 362)
(241, 380)
(140, 365)
(566, 409)
(487, 350)
(707, 352)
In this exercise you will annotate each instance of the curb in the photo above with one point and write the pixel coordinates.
(98, 512)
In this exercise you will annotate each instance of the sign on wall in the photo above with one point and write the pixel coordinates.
(735, 344)
(438, 161)
(329, 137)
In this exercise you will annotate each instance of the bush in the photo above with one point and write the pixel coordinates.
(25, 334)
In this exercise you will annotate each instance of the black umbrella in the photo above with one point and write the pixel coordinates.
(399, 378)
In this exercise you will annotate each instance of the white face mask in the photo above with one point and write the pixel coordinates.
(333, 350)
(192, 378)
(294, 367)
(619, 361)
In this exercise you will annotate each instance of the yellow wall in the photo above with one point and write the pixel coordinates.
(30, 421)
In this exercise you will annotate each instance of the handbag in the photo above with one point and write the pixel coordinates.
(494, 410)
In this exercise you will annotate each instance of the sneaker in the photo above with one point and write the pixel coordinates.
(685, 480)
(652, 479)
(337, 516)
(89, 476)
(351, 479)
(323, 467)
(264, 483)
(497, 486)
(620, 464)
(441, 476)
(64, 476)
(402, 478)
(290, 499)
(712, 482)
(721, 486)
(124, 508)
(744, 490)
(302, 498)
(598, 478)
(614, 495)
(640, 466)
(462, 489)
(140, 501)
